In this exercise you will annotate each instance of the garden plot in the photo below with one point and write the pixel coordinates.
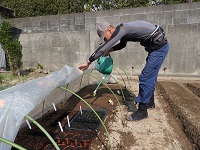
(159, 131)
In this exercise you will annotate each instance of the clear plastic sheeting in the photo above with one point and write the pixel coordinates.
(19, 100)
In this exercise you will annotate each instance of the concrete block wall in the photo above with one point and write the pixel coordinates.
(56, 40)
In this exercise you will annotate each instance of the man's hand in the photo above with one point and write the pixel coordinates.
(84, 66)
(108, 52)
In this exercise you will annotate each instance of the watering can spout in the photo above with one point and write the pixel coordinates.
(104, 65)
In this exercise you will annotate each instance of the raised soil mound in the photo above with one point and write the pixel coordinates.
(184, 101)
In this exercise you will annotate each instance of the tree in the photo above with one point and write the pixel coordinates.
(31, 8)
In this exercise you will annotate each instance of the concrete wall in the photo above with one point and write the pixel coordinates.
(54, 41)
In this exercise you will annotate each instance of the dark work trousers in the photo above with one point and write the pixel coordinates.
(148, 77)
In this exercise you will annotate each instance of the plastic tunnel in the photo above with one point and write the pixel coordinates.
(17, 101)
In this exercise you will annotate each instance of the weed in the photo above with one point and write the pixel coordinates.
(1, 79)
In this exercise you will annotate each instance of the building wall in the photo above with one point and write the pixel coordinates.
(54, 41)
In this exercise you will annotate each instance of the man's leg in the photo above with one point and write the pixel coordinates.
(147, 81)
(151, 104)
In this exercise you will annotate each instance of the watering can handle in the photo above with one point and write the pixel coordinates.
(105, 56)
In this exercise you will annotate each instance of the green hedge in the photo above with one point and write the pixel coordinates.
(31, 8)
(11, 46)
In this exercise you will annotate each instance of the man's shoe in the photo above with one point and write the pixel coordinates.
(138, 115)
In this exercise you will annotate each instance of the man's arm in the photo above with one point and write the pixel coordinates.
(120, 45)
(117, 35)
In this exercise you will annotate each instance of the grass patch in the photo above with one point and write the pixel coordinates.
(8, 79)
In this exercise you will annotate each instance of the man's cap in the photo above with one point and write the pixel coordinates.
(101, 30)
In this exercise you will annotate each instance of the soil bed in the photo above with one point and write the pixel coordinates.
(184, 101)
(35, 139)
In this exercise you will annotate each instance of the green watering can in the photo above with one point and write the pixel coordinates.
(104, 65)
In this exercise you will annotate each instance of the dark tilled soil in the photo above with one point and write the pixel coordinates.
(34, 139)
(194, 87)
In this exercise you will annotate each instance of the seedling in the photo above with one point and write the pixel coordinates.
(125, 74)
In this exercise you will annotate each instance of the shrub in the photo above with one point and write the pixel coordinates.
(1, 79)
(11, 46)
